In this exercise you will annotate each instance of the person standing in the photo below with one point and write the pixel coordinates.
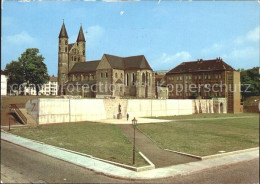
(127, 116)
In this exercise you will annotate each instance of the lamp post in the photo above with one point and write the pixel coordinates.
(134, 122)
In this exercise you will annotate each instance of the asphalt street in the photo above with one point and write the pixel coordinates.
(20, 165)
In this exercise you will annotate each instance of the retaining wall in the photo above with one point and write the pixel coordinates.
(58, 110)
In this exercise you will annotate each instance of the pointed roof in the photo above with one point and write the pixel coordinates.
(81, 37)
(63, 32)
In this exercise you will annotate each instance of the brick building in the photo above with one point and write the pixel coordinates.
(205, 79)
(111, 76)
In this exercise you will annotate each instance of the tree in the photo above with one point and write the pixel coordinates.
(249, 82)
(15, 75)
(32, 69)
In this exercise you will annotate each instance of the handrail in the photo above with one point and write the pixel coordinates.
(17, 110)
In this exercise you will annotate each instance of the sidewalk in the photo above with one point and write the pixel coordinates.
(118, 172)
(140, 121)
(158, 156)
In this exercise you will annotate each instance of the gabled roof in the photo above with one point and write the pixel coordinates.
(53, 79)
(63, 32)
(201, 65)
(3, 72)
(127, 63)
(119, 81)
(81, 37)
(136, 62)
(83, 67)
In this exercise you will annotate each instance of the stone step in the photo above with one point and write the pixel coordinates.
(30, 120)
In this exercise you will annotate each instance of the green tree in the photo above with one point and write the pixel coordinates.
(15, 74)
(249, 82)
(32, 69)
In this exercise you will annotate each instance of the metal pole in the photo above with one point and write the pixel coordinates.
(9, 125)
(134, 148)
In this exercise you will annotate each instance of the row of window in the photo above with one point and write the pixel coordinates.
(188, 77)
(82, 77)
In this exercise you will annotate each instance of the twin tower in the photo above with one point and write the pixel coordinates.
(69, 54)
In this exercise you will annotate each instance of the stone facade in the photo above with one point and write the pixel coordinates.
(112, 76)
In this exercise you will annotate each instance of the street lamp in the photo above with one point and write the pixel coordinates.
(134, 122)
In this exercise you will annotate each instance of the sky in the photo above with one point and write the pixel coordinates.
(167, 33)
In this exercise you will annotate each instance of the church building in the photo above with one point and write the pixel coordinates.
(111, 76)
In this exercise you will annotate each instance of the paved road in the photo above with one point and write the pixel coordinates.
(158, 156)
(25, 166)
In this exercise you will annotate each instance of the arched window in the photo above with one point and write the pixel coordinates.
(106, 75)
(127, 79)
(116, 75)
(133, 79)
(101, 75)
(143, 79)
(66, 49)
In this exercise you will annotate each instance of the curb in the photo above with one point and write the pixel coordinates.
(150, 165)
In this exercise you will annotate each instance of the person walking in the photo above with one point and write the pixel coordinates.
(127, 116)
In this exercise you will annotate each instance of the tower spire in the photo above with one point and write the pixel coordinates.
(63, 31)
(81, 37)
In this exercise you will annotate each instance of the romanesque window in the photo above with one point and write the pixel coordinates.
(116, 75)
(74, 50)
(106, 75)
(101, 75)
(133, 79)
(75, 59)
(143, 79)
(127, 79)
(66, 49)
(66, 42)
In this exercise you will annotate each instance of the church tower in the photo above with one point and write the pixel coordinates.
(81, 42)
(63, 58)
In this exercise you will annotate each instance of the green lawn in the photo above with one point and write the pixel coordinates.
(205, 137)
(204, 116)
(100, 140)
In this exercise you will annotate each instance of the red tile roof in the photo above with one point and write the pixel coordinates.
(201, 65)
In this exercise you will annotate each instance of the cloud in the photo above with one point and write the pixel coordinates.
(168, 61)
(251, 36)
(213, 48)
(178, 57)
(246, 53)
(20, 39)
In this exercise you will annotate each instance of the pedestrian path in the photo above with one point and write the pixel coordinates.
(140, 121)
(158, 156)
(119, 172)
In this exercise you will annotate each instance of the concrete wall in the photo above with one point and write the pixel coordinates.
(51, 110)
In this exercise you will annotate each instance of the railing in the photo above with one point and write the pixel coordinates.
(14, 108)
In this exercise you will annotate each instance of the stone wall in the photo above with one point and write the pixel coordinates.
(58, 110)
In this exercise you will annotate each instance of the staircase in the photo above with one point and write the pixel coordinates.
(22, 114)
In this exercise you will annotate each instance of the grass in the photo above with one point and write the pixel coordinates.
(197, 116)
(205, 137)
(100, 140)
